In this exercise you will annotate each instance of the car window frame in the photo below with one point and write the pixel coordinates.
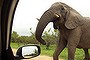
(7, 11)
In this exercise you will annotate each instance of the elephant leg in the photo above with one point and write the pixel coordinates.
(71, 53)
(73, 41)
(61, 45)
(86, 54)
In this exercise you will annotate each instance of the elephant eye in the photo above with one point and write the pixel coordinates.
(62, 10)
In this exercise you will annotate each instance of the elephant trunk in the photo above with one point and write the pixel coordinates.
(47, 17)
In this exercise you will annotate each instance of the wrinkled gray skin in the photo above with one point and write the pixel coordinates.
(74, 29)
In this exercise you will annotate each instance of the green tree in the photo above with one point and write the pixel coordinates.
(14, 36)
(51, 36)
(32, 37)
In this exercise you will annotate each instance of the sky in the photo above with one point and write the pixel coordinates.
(28, 10)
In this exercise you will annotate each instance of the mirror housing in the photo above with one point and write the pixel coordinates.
(28, 51)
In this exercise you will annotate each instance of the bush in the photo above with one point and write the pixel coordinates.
(48, 36)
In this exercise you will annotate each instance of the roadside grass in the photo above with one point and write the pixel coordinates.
(79, 54)
(15, 45)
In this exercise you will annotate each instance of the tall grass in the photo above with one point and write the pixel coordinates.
(15, 45)
(79, 54)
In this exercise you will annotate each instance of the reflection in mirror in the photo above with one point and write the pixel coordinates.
(28, 51)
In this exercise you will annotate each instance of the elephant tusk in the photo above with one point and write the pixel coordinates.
(56, 15)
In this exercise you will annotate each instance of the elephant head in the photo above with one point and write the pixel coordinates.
(59, 13)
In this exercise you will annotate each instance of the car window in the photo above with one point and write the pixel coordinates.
(25, 22)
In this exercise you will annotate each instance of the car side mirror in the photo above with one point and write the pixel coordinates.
(28, 51)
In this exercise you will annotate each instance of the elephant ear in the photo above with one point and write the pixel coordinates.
(73, 21)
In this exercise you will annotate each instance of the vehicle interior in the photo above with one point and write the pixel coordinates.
(25, 52)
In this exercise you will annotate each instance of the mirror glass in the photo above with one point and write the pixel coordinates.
(28, 51)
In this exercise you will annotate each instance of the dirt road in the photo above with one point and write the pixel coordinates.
(40, 57)
(43, 57)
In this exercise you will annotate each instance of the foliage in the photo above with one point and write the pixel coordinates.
(49, 36)
(15, 45)
(79, 54)
(14, 36)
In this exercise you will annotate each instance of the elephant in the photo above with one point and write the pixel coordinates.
(74, 29)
